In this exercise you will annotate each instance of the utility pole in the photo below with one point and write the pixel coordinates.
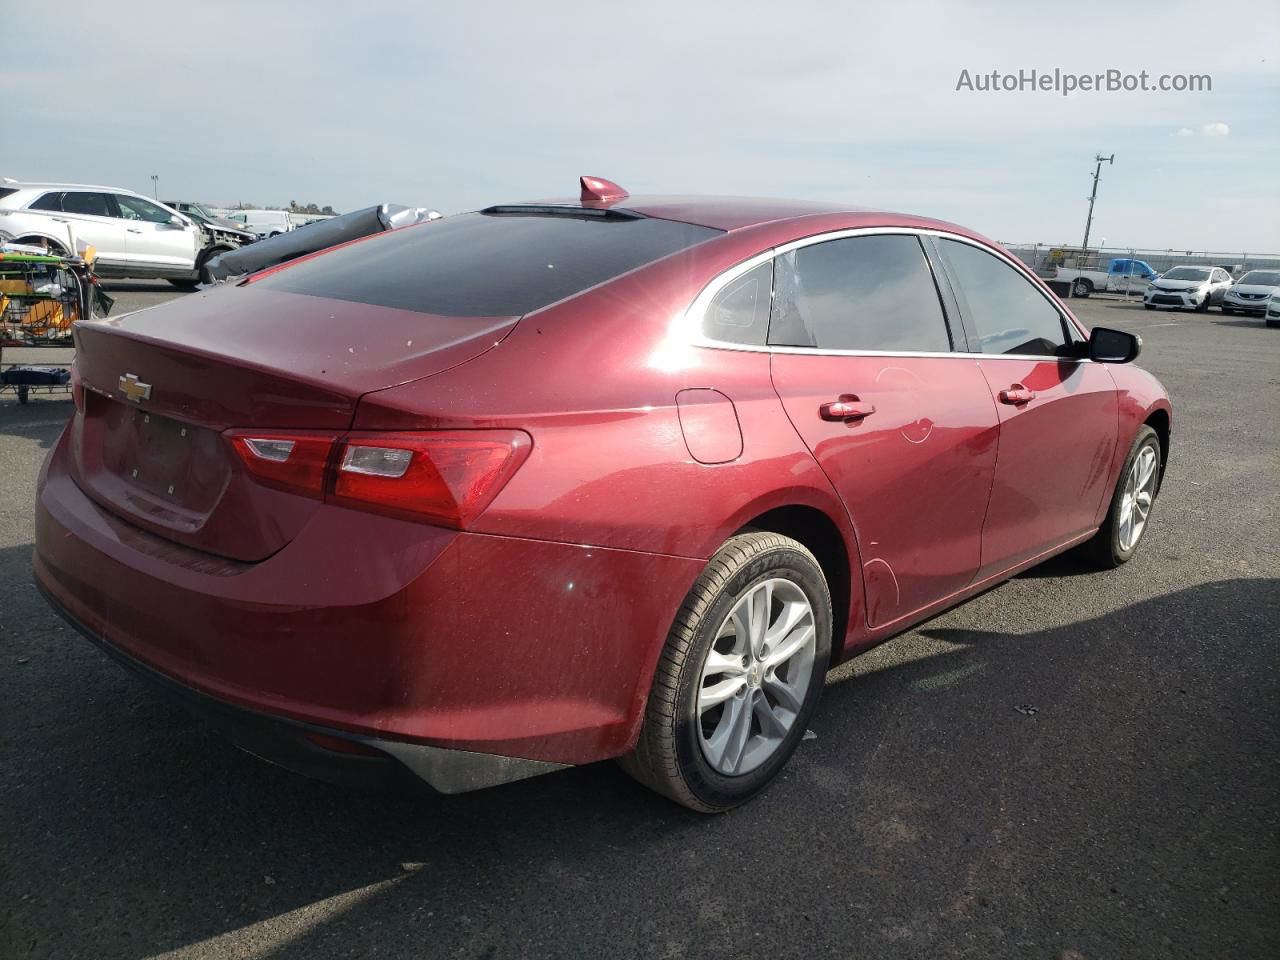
(1097, 174)
(155, 192)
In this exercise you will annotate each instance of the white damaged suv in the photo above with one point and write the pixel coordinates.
(134, 236)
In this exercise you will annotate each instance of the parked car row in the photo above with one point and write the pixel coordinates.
(1198, 288)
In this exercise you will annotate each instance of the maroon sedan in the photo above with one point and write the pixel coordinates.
(550, 483)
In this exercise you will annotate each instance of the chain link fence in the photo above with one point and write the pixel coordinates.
(1045, 258)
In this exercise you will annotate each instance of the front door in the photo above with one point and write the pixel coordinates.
(904, 428)
(1057, 412)
(153, 239)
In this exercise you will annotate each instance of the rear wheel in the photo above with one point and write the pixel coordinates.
(1118, 538)
(1081, 287)
(1148, 306)
(739, 677)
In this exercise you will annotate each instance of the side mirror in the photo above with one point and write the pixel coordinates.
(177, 221)
(1113, 346)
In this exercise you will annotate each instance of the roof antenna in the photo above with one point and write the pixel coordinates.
(601, 190)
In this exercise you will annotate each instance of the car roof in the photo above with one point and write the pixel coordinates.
(20, 185)
(735, 213)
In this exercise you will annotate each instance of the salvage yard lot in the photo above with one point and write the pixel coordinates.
(1072, 761)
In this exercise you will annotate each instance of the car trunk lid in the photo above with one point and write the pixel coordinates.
(163, 385)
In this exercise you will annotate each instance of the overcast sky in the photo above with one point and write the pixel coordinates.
(459, 105)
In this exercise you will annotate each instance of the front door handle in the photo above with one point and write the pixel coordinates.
(1017, 395)
(133, 230)
(847, 409)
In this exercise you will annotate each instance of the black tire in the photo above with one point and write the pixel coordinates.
(669, 756)
(1104, 548)
(1203, 306)
(24, 393)
(1228, 311)
(1148, 306)
(1273, 323)
(184, 284)
(1080, 287)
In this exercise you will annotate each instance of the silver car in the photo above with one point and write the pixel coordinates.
(1250, 293)
(1187, 288)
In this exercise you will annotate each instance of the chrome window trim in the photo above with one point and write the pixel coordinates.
(696, 312)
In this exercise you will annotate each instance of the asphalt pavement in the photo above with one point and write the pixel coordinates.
(1072, 764)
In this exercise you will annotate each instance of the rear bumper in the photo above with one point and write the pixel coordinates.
(392, 633)
(322, 753)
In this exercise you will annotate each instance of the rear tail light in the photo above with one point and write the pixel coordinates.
(295, 462)
(442, 477)
(447, 478)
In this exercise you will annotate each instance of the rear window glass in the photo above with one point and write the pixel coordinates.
(7, 192)
(488, 264)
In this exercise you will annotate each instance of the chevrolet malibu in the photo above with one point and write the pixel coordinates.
(551, 483)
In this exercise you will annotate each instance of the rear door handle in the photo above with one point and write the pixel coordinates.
(133, 230)
(1017, 395)
(847, 409)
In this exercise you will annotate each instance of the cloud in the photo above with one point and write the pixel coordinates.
(1186, 132)
(1215, 130)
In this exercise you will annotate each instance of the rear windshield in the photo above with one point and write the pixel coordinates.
(488, 264)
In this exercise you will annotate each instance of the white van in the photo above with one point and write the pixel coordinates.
(265, 223)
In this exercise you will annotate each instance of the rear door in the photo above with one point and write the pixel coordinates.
(1057, 412)
(903, 426)
(93, 220)
(152, 239)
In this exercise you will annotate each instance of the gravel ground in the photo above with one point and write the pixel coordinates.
(1073, 761)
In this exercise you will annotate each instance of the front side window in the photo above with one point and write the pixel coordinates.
(135, 208)
(1006, 312)
(739, 313)
(89, 204)
(858, 293)
(49, 201)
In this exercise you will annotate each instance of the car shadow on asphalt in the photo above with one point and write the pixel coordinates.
(935, 788)
(1256, 323)
(136, 286)
(41, 418)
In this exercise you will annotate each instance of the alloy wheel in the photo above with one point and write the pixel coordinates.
(756, 676)
(1135, 502)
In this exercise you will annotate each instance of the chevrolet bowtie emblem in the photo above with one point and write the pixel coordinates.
(133, 388)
